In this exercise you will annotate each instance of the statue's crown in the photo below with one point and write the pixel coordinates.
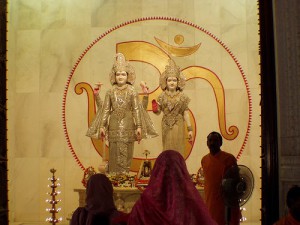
(172, 70)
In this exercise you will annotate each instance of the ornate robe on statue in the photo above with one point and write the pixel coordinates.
(121, 114)
(214, 168)
(173, 106)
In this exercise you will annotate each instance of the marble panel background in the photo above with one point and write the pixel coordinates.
(47, 37)
(287, 38)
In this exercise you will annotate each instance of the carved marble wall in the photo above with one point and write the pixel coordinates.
(287, 42)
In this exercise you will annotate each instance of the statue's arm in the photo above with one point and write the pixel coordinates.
(106, 110)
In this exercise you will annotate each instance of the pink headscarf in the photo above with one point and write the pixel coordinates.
(170, 198)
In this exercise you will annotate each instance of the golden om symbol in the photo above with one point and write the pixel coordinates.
(146, 52)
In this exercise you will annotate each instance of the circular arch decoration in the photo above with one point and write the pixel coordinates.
(139, 20)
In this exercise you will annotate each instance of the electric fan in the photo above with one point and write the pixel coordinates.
(237, 187)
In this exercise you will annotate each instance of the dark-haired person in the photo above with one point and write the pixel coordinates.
(100, 208)
(215, 164)
(293, 203)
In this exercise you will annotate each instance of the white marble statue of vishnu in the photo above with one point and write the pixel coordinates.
(121, 118)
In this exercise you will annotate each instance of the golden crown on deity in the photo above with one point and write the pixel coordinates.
(122, 65)
(172, 70)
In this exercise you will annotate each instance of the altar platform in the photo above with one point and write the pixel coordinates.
(125, 197)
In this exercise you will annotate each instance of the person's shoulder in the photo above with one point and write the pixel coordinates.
(227, 156)
(119, 218)
(80, 212)
(131, 89)
(282, 221)
(182, 94)
(162, 94)
(184, 98)
(79, 209)
(109, 91)
(204, 158)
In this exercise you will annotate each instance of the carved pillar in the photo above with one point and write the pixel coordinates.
(269, 116)
(3, 146)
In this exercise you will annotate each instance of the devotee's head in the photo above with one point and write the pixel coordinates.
(293, 201)
(169, 164)
(167, 158)
(99, 194)
(214, 142)
(171, 197)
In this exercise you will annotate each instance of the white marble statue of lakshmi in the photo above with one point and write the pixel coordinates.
(121, 117)
(173, 103)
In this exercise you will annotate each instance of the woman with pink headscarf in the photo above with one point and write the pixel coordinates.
(171, 197)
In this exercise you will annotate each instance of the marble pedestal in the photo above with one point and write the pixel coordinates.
(127, 196)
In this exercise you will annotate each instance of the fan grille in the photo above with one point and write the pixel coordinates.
(237, 185)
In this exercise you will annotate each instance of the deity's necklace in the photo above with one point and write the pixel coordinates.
(172, 94)
(120, 91)
(120, 109)
(172, 100)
